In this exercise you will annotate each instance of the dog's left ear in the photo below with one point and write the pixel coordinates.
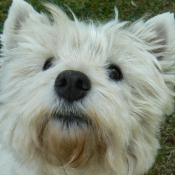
(158, 34)
(20, 12)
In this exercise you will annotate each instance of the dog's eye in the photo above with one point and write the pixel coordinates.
(115, 73)
(47, 64)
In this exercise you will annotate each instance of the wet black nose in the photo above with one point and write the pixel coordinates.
(72, 85)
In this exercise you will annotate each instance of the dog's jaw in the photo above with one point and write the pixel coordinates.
(71, 140)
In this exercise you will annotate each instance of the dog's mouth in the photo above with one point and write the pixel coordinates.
(72, 119)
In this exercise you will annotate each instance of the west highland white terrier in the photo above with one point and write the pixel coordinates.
(82, 98)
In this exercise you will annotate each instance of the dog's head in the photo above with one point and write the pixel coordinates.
(84, 95)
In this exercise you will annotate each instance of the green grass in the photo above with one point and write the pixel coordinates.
(128, 10)
(102, 10)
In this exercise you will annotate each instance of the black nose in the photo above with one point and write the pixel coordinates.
(72, 85)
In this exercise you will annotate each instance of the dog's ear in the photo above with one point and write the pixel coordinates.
(156, 32)
(158, 36)
(164, 28)
(19, 13)
(164, 43)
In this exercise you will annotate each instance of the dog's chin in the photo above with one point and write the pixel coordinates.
(72, 119)
(71, 139)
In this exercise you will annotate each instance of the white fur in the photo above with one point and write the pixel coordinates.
(128, 113)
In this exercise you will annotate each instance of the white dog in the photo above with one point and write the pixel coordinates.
(83, 99)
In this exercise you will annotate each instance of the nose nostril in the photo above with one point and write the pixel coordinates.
(86, 86)
(62, 82)
(83, 85)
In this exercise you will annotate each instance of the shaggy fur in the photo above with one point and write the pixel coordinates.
(118, 120)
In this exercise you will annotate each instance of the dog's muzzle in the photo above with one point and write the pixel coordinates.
(72, 85)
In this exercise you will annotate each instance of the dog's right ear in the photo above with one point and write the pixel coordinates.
(20, 12)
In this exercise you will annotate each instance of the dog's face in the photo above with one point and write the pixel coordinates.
(85, 94)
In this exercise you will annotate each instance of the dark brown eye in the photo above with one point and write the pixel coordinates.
(115, 73)
(47, 64)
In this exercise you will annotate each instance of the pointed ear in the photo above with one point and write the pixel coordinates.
(19, 12)
(164, 27)
(156, 32)
(158, 36)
